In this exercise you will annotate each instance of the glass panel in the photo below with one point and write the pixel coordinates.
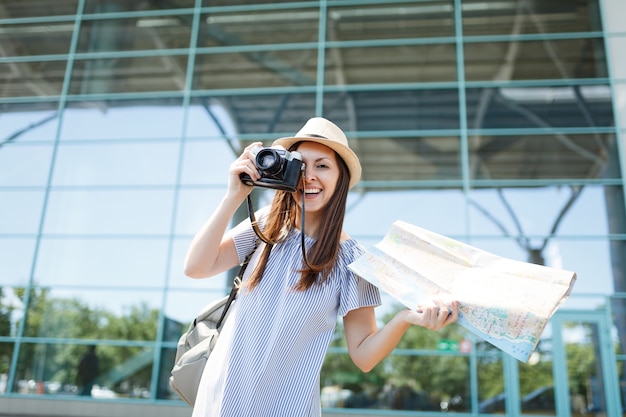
(584, 368)
(621, 369)
(194, 208)
(207, 162)
(613, 12)
(535, 60)
(388, 20)
(407, 206)
(11, 314)
(18, 9)
(620, 102)
(28, 122)
(6, 355)
(255, 69)
(116, 163)
(500, 18)
(541, 156)
(254, 27)
(407, 386)
(108, 6)
(110, 262)
(391, 64)
(539, 107)
(20, 211)
(28, 39)
(26, 79)
(122, 314)
(24, 165)
(618, 310)
(132, 34)
(164, 390)
(263, 117)
(143, 119)
(208, 117)
(395, 110)
(123, 371)
(16, 257)
(513, 211)
(211, 3)
(617, 45)
(109, 212)
(491, 387)
(129, 75)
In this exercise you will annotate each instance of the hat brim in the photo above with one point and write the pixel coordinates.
(348, 156)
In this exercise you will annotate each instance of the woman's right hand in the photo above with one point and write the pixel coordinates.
(245, 164)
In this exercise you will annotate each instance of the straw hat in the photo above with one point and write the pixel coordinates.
(327, 133)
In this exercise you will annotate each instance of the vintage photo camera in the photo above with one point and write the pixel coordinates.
(280, 169)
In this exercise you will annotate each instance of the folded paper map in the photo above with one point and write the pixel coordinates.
(503, 301)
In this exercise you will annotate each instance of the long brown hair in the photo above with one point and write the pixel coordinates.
(322, 255)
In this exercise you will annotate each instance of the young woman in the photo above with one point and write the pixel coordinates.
(268, 358)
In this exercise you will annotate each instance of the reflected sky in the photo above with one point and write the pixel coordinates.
(123, 184)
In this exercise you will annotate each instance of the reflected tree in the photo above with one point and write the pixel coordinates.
(124, 367)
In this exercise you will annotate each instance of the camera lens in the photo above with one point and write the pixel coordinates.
(268, 161)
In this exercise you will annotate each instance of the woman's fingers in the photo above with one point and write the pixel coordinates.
(435, 316)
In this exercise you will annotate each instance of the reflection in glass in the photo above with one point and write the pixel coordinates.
(28, 122)
(424, 210)
(276, 26)
(24, 84)
(410, 63)
(491, 388)
(426, 383)
(511, 17)
(195, 206)
(539, 107)
(116, 163)
(129, 75)
(256, 113)
(6, 355)
(16, 257)
(20, 211)
(529, 156)
(389, 20)
(585, 373)
(118, 119)
(255, 69)
(535, 60)
(47, 38)
(109, 212)
(133, 262)
(122, 372)
(420, 109)
(201, 167)
(24, 165)
(11, 314)
(107, 6)
(82, 313)
(19, 9)
(162, 32)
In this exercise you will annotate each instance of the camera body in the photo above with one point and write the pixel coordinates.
(280, 169)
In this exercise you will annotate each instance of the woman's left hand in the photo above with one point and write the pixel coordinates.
(433, 316)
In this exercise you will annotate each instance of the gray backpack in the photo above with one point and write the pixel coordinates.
(195, 346)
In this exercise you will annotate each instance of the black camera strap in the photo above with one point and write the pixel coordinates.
(259, 233)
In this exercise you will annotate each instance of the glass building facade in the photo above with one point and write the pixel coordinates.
(497, 123)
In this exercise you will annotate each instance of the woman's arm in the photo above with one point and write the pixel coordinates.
(368, 346)
(212, 250)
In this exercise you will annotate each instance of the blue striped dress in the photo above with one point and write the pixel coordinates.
(267, 360)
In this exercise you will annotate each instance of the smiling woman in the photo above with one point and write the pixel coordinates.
(298, 297)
